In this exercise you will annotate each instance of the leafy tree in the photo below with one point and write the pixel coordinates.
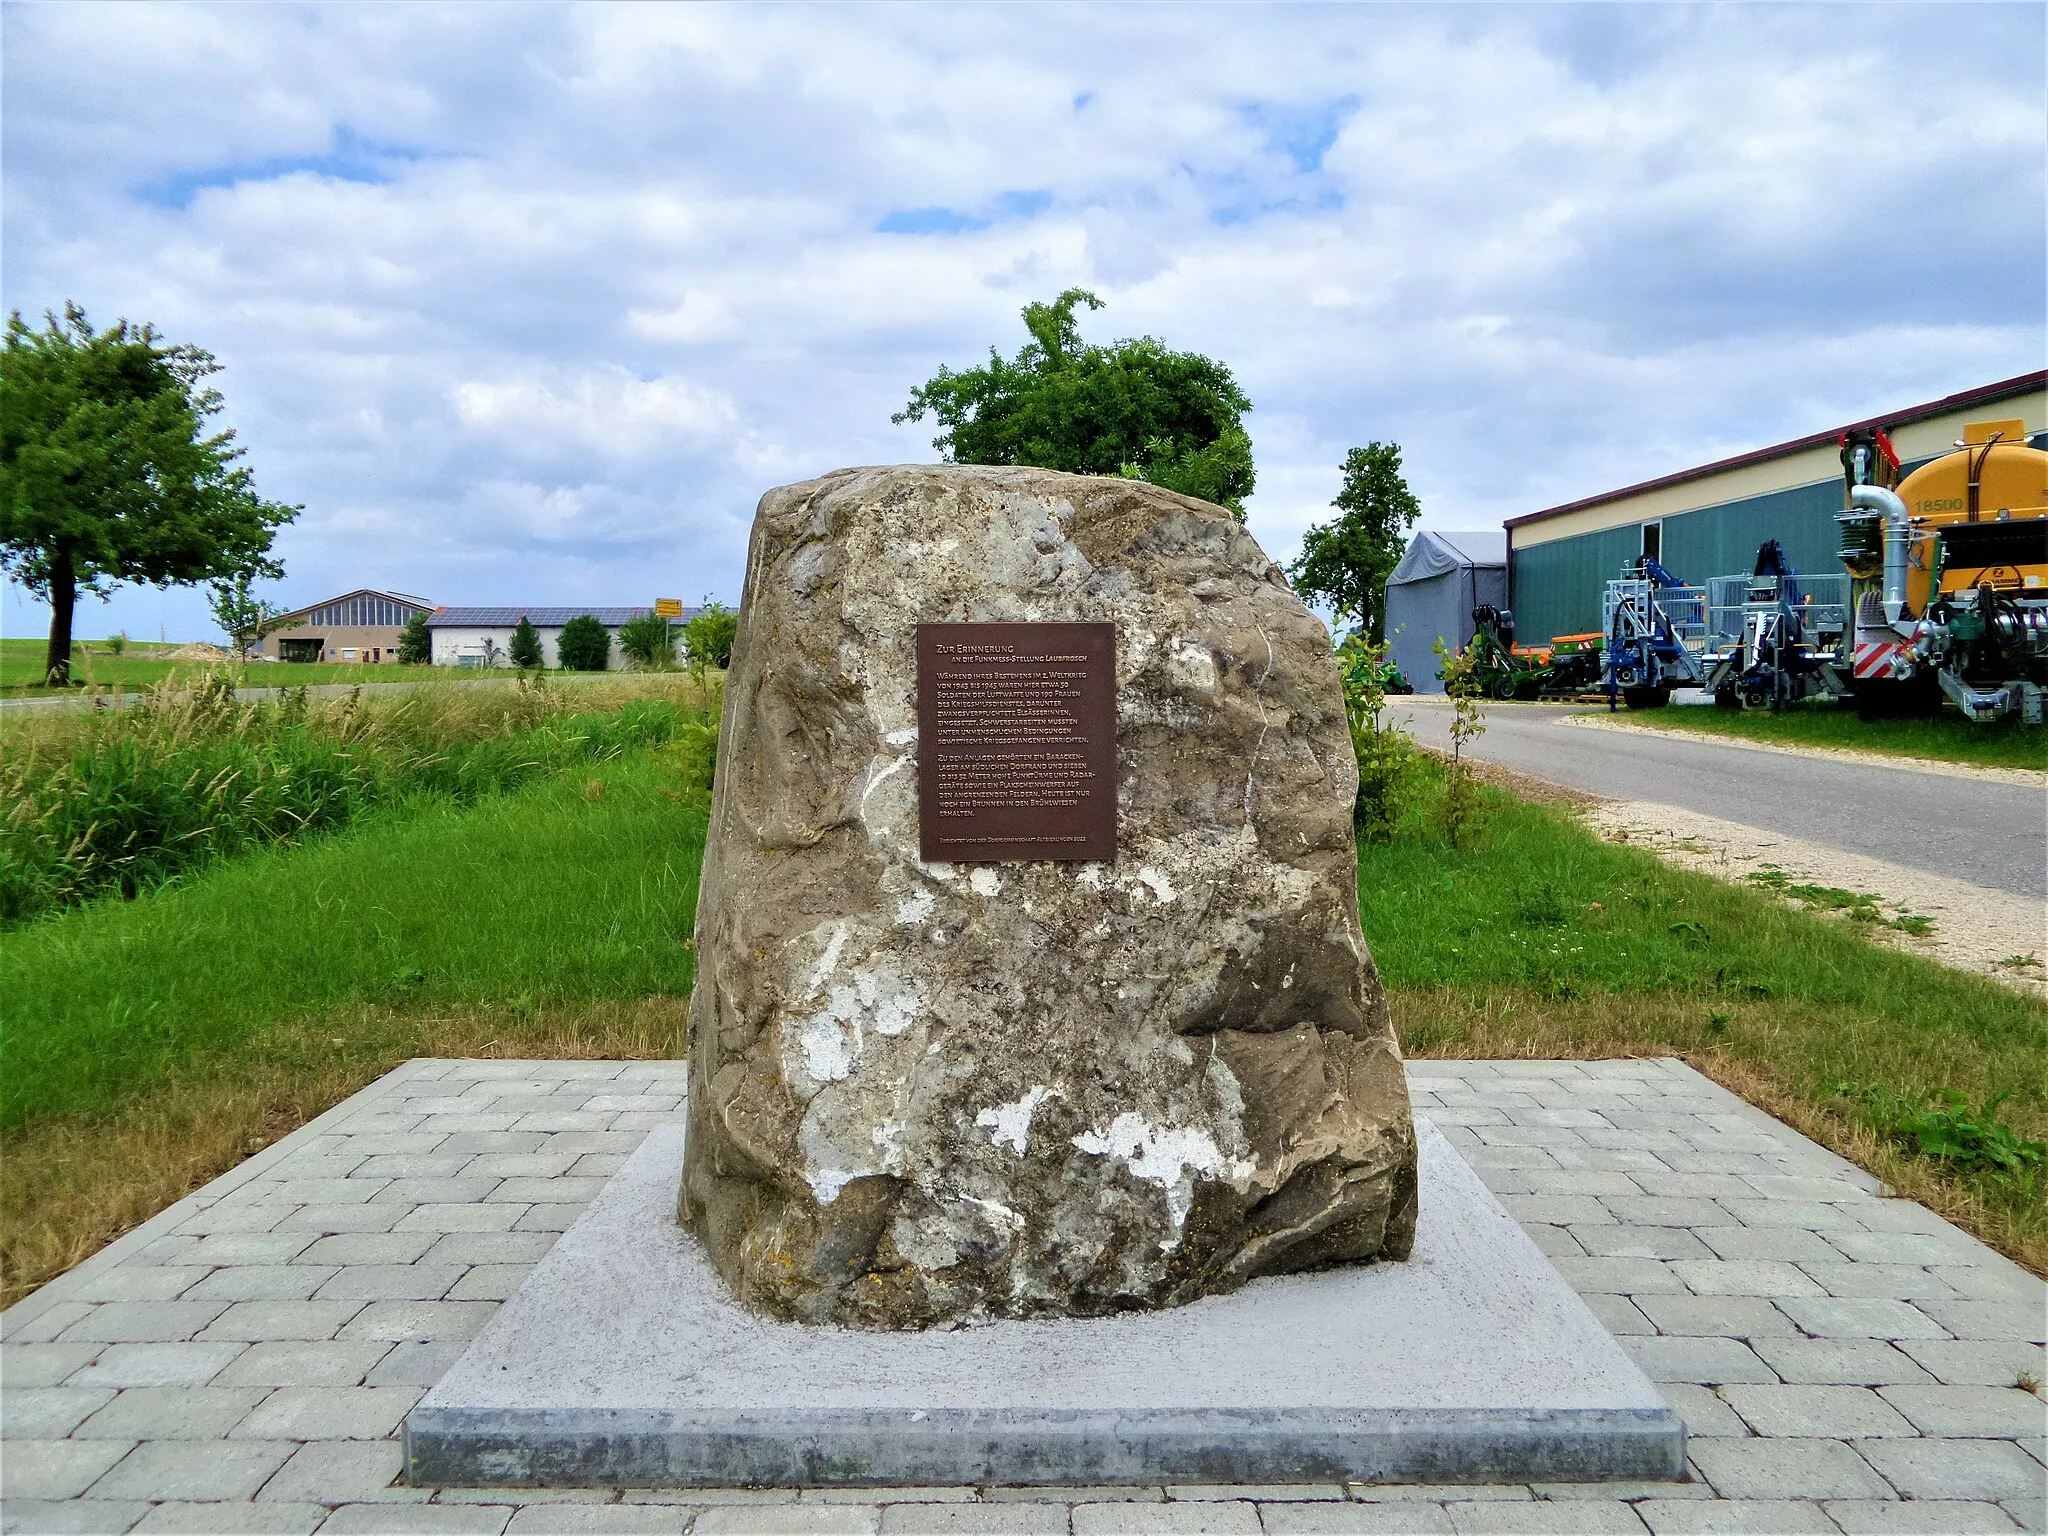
(242, 616)
(584, 645)
(109, 474)
(1135, 409)
(416, 643)
(1346, 562)
(708, 637)
(526, 651)
(648, 639)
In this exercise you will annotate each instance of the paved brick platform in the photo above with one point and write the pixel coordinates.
(1844, 1362)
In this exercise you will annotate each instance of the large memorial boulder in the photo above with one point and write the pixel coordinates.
(927, 1091)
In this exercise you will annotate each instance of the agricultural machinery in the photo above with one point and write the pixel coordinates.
(1655, 630)
(1566, 667)
(1950, 575)
(1774, 636)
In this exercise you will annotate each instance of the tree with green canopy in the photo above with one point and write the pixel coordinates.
(708, 637)
(415, 642)
(1346, 562)
(649, 639)
(584, 645)
(1135, 408)
(525, 646)
(242, 616)
(109, 474)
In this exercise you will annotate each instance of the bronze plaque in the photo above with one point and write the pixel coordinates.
(1016, 741)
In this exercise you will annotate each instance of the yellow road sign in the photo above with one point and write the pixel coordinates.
(669, 607)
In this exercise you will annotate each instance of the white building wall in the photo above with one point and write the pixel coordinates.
(456, 647)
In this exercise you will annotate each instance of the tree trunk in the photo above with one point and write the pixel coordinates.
(63, 601)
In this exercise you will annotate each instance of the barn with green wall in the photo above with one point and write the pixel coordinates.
(1710, 521)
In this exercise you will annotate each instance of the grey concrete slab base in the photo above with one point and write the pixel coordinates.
(622, 1360)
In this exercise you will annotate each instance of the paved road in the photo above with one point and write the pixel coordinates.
(1978, 830)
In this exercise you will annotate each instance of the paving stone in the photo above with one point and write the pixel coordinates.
(1560, 1210)
(264, 1321)
(984, 1520)
(1943, 1247)
(199, 1470)
(488, 1143)
(527, 1191)
(44, 1365)
(547, 1218)
(1844, 1317)
(1703, 1410)
(419, 1519)
(1620, 1277)
(1663, 1211)
(1982, 1319)
(1839, 1362)
(565, 1120)
(1621, 1242)
(1410, 1493)
(416, 1362)
(327, 1363)
(1041, 1494)
(88, 1517)
(1554, 1242)
(171, 1413)
(1568, 1519)
(1789, 1469)
(1939, 1517)
(317, 1191)
(1596, 1492)
(1842, 1413)
(536, 1519)
(48, 1413)
(233, 1519)
(496, 1217)
(55, 1469)
(1692, 1185)
(343, 1218)
(369, 1248)
(1734, 1517)
(1745, 1277)
(489, 1247)
(1994, 1280)
(138, 1282)
(1617, 1314)
(1900, 1282)
(339, 1471)
(391, 1282)
(598, 1165)
(1579, 1181)
(1209, 1518)
(438, 1165)
(236, 1248)
(1791, 1244)
(261, 1282)
(1955, 1469)
(1735, 1317)
(1813, 1215)
(548, 1164)
(1978, 1362)
(1788, 1187)
(396, 1320)
(490, 1282)
(330, 1413)
(1710, 1361)
(232, 1218)
(437, 1191)
(143, 1322)
(707, 1496)
(530, 1496)
(788, 1520)
(2032, 1514)
(1970, 1412)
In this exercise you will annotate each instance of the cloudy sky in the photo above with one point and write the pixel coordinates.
(530, 303)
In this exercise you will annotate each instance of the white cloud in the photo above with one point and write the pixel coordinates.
(532, 303)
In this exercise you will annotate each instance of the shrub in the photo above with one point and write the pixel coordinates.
(708, 637)
(649, 640)
(584, 645)
(1461, 809)
(526, 652)
(415, 645)
(1386, 757)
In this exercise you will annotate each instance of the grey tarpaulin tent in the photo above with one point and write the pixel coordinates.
(1433, 591)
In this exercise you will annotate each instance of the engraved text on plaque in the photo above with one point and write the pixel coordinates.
(1016, 741)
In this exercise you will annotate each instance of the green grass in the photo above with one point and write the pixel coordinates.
(145, 665)
(1543, 940)
(1950, 738)
(550, 895)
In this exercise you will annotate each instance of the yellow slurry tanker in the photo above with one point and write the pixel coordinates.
(1950, 573)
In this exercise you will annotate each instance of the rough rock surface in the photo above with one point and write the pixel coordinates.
(934, 1092)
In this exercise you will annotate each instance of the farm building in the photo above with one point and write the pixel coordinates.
(1709, 521)
(482, 637)
(363, 625)
(1432, 593)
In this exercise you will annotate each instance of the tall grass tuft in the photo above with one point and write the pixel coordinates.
(124, 801)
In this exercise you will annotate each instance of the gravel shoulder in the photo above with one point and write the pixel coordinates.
(1975, 929)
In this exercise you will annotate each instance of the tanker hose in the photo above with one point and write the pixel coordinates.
(1898, 542)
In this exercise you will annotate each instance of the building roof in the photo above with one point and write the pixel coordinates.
(1983, 395)
(1431, 553)
(541, 618)
(392, 597)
